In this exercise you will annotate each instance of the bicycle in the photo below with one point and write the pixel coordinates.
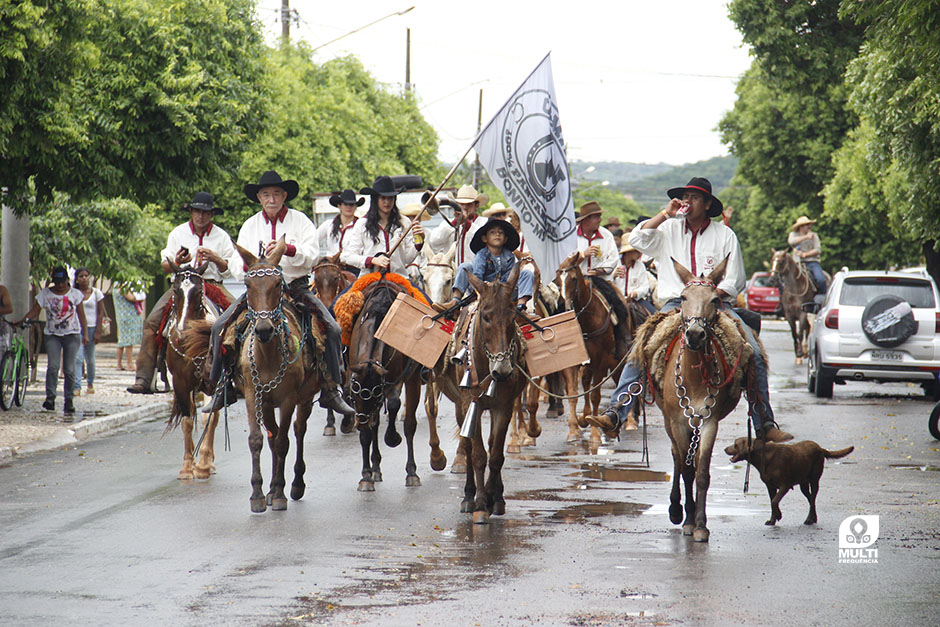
(14, 369)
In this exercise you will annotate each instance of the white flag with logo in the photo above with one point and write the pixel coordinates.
(523, 151)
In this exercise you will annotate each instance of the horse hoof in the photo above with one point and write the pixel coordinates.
(212, 469)
(376, 476)
(347, 425)
(700, 535)
(438, 462)
(630, 424)
(269, 498)
(574, 437)
(201, 473)
(481, 517)
(297, 491)
(412, 481)
(184, 475)
(329, 430)
(458, 469)
(799, 361)
(582, 421)
(392, 438)
(687, 530)
(513, 448)
(258, 505)
(279, 504)
(499, 508)
(366, 486)
(534, 433)
(675, 513)
(528, 441)
(466, 507)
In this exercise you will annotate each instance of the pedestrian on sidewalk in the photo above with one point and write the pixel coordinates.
(93, 303)
(66, 331)
(129, 310)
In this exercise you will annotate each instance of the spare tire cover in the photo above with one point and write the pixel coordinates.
(888, 321)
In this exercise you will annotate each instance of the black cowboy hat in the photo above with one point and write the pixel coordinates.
(348, 197)
(383, 186)
(512, 236)
(203, 201)
(699, 184)
(272, 179)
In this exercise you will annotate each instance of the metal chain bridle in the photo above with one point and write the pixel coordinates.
(696, 418)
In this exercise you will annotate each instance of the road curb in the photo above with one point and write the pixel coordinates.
(86, 428)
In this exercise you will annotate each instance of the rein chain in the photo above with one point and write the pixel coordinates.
(696, 418)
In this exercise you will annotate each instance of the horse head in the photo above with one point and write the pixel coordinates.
(700, 303)
(495, 320)
(570, 279)
(188, 292)
(439, 273)
(329, 278)
(780, 262)
(264, 289)
(368, 357)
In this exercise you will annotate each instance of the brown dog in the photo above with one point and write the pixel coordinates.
(783, 466)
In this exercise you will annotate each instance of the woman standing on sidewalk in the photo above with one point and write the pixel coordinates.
(94, 312)
(65, 333)
(128, 309)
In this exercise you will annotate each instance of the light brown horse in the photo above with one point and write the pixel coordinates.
(189, 307)
(796, 287)
(377, 373)
(697, 387)
(276, 370)
(329, 280)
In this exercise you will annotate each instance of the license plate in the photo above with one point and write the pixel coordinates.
(888, 355)
(772, 299)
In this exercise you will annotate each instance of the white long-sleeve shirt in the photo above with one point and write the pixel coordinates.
(607, 262)
(299, 233)
(331, 244)
(215, 239)
(634, 280)
(700, 251)
(359, 248)
(443, 236)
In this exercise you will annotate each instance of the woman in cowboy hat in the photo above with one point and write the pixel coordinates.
(595, 243)
(805, 244)
(631, 277)
(463, 227)
(330, 234)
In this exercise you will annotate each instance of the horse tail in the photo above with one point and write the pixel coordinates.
(839, 453)
(176, 417)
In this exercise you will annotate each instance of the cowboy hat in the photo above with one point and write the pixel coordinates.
(272, 179)
(800, 222)
(383, 186)
(497, 208)
(512, 236)
(626, 248)
(612, 221)
(203, 202)
(587, 210)
(412, 209)
(467, 194)
(703, 185)
(347, 197)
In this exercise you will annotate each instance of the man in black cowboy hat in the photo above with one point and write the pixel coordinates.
(260, 234)
(684, 231)
(193, 242)
(330, 234)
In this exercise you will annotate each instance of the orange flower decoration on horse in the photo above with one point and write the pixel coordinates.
(349, 305)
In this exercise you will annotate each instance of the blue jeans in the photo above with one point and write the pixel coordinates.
(61, 349)
(761, 412)
(819, 278)
(524, 286)
(86, 354)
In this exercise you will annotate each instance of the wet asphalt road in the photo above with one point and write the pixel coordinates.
(105, 534)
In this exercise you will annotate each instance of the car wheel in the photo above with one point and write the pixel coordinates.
(931, 390)
(824, 381)
(934, 423)
(811, 376)
(888, 321)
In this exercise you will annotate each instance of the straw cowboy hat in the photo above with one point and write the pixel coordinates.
(467, 194)
(411, 210)
(383, 186)
(497, 209)
(700, 184)
(800, 222)
(202, 201)
(347, 197)
(626, 248)
(512, 236)
(271, 179)
(588, 210)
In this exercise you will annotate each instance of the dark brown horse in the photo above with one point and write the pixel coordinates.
(329, 280)
(376, 375)
(189, 307)
(796, 287)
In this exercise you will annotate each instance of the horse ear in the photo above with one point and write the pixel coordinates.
(719, 272)
(475, 282)
(451, 253)
(201, 269)
(427, 251)
(278, 252)
(175, 268)
(246, 256)
(334, 258)
(684, 275)
(513, 277)
(773, 251)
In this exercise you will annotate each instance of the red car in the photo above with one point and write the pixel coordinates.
(761, 296)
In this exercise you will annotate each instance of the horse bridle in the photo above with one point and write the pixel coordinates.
(274, 315)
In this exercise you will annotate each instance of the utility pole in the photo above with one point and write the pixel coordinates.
(408, 59)
(14, 251)
(285, 19)
(477, 168)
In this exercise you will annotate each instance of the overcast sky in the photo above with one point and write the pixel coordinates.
(635, 81)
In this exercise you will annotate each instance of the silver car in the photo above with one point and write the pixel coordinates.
(876, 326)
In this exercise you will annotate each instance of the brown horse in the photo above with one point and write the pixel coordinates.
(276, 369)
(796, 287)
(377, 373)
(696, 359)
(329, 280)
(188, 307)
(497, 359)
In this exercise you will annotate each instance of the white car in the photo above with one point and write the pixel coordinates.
(876, 326)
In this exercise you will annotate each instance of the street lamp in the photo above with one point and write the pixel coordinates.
(362, 28)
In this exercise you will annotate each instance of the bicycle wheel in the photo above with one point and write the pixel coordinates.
(22, 379)
(7, 381)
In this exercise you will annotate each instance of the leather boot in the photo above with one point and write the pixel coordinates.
(441, 307)
(330, 398)
(224, 396)
(770, 432)
(608, 421)
(146, 363)
(141, 386)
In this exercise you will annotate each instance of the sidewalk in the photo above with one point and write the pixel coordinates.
(30, 428)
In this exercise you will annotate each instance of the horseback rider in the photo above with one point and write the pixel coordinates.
(699, 244)
(196, 241)
(598, 250)
(464, 225)
(332, 233)
(260, 233)
(632, 279)
(805, 244)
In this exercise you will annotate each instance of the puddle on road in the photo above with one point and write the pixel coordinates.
(619, 473)
(922, 468)
(582, 512)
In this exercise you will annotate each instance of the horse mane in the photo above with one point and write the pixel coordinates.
(609, 292)
(195, 340)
